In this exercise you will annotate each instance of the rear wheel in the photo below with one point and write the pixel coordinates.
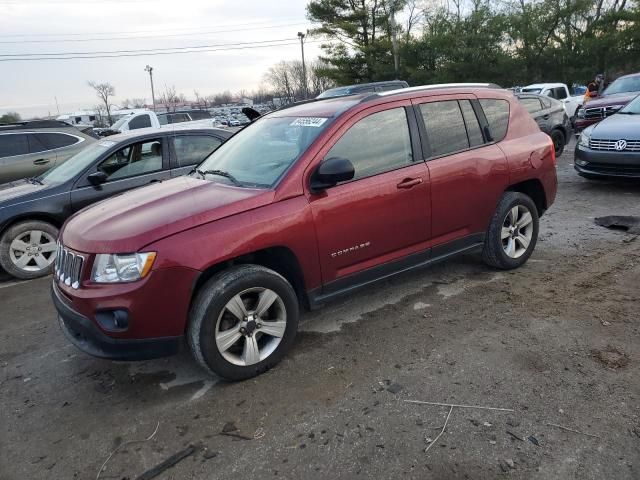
(28, 249)
(513, 232)
(243, 321)
(558, 141)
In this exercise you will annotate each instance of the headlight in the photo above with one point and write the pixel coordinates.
(580, 113)
(584, 138)
(129, 267)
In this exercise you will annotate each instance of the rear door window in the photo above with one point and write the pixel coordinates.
(497, 113)
(143, 121)
(446, 131)
(35, 145)
(376, 144)
(56, 140)
(471, 121)
(13, 144)
(193, 149)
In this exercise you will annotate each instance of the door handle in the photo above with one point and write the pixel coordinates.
(409, 182)
(41, 161)
(155, 181)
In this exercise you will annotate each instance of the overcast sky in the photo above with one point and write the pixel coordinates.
(63, 26)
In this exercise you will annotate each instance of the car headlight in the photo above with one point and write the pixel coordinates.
(118, 268)
(584, 138)
(580, 113)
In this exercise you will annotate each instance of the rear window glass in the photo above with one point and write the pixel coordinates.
(56, 140)
(13, 144)
(497, 113)
(199, 115)
(143, 121)
(446, 130)
(531, 104)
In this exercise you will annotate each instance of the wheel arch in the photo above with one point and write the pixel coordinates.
(534, 189)
(280, 259)
(28, 217)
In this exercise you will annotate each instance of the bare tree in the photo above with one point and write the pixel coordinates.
(101, 115)
(169, 97)
(104, 91)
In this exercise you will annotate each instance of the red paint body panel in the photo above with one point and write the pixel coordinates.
(194, 224)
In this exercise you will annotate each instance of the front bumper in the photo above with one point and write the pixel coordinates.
(85, 335)
(606, 163)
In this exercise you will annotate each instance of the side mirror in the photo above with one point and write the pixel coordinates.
(331, 172)
(97, 178)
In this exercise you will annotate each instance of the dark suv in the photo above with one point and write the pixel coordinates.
(302, 206)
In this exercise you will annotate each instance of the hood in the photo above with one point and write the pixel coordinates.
(130, 221)
(618, 127)
(615, 99)
(21, 190)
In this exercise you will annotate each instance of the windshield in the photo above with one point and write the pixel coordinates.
(260, 154)
(76, 164)
(120, 122)
(622, 85)
(531, 90)
(335, 92)
(633, 107)
(196, 115)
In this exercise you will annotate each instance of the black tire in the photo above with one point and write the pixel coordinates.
(30, 271)
(493, 253)
(559, 141)
(209, 305)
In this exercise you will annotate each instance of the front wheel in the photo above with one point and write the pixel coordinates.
(513, 232)
(243, 321)
(28, 249)
(558, 141)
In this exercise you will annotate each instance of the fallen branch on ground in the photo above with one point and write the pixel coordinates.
(122, 445)
(572, 430)
(441, 432)
(460, 406)
(168, 463)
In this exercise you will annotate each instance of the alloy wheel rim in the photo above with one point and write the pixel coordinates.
(517, 231)
(251, 326)
(33, 251)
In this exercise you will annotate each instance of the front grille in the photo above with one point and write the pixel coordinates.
(598, 113)
(68, 267)
(597, 144)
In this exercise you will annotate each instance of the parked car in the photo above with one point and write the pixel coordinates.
(302, 206)
(28, 149)
(32, 211)
(364, 88)
(559, 91)
(611, 148)
(614, 97)
(148, 119)
(550, 116)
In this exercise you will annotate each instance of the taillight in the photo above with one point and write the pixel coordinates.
(553, 152)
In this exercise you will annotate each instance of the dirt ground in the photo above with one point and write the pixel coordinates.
(555, 342)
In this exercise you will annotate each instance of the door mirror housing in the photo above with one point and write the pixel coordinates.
(97, 178)
(331, 172)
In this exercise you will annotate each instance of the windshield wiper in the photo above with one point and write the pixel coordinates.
(35, 181)
(220, 173)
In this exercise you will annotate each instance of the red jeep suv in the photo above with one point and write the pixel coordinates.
(302, 206)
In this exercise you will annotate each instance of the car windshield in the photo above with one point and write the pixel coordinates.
(199, 115)
(120, 122)
(622, 85)
(260, 154)
(531, 90)
(633, 107)
(76, 164)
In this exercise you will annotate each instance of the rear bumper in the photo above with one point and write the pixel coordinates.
(85, 335)
(606, 163)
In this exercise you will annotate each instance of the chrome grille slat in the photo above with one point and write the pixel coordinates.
(610, 145)
(68, 267)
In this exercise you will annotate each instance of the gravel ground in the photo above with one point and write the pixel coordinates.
(556, 342)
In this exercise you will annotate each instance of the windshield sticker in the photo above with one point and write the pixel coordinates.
(308, 122)
(107, 144)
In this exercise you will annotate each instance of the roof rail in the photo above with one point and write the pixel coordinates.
(433, 87)
(27, 124)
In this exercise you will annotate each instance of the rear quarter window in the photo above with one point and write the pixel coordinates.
(13, 144)
(497, 113)
(56, 140)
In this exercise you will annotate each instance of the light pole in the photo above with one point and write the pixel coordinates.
(304, 66)
(149, 69)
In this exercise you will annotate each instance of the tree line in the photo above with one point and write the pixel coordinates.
(508, 42)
